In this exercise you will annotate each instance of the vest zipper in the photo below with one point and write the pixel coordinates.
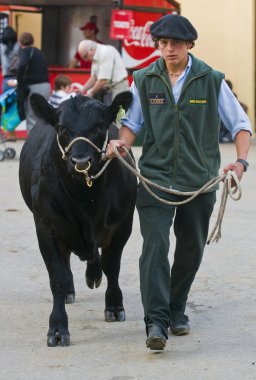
(176, 129)
(177, 125)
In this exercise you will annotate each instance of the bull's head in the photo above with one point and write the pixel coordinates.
(78, 120)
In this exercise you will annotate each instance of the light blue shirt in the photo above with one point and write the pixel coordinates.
(230, 111)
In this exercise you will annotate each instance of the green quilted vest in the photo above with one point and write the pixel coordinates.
(181, 145)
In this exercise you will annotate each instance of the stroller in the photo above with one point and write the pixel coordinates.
(9, 121)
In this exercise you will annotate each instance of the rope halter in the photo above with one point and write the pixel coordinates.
(102, 151)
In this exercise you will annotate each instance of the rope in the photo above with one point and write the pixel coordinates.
(235, 194)
(226, 178)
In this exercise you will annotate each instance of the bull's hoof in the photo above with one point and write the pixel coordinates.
(93, 283)
(57, 338)
(70, 298)
(65, 340)
(111, 316)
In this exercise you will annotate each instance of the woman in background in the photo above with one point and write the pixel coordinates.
(32, 77)
(9, 56)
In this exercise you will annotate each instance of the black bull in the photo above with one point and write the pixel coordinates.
(69, 214)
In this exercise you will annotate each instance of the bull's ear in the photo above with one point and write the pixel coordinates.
(43, 109)
(123, 100)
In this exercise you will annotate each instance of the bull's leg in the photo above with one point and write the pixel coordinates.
(93, 274)
(70, 296)
(60, 279)
(111, 262)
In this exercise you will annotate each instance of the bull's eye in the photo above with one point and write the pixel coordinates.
(63, 135)
(98, 135)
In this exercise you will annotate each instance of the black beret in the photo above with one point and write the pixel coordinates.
(174, 26)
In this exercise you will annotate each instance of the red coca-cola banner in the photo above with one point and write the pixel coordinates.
(138, 51)
(152, 3)
(121, 21)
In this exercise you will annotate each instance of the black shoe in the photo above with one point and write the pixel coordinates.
(156, 338)
(179, 324)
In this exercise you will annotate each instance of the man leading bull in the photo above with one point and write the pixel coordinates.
(179, 101)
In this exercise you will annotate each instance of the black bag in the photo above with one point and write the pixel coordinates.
(23, 90)
(22, 95)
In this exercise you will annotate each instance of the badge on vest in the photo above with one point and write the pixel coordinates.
(157, 99)
(198, 101)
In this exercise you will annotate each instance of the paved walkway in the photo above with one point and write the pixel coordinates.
(221, 307)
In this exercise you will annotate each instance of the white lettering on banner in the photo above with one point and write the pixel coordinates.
(122, 24)
(140, 36)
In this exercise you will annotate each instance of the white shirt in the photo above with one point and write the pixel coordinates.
(108, 64)
(6, 59)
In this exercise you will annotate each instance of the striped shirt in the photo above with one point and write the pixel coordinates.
(57, 97)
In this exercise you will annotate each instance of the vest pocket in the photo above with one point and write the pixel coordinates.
(203, 157)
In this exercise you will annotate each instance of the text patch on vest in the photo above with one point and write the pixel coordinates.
(198, 101)
(157, 99)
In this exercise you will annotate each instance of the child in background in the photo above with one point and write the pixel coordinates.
(62, 90)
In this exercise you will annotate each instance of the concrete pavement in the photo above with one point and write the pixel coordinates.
(221, 307)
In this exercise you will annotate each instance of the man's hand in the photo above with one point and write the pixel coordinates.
(118, 144)
(89, 93)
(236, 167)
(78, 88)
(12, 82)
(126, 139)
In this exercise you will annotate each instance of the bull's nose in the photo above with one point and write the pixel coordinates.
(81, 162)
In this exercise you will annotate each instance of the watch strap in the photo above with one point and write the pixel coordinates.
(244, 163)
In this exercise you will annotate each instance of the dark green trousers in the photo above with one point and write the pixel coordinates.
(163, 289)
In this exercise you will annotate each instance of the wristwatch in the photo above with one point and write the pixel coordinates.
(244, 163)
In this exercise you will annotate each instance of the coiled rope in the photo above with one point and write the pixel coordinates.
(227, 178)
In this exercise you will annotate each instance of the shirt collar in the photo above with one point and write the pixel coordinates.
(187, 68)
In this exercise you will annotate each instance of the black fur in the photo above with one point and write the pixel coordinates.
(70, 216)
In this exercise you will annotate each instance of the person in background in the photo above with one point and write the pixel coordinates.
(32, 77)
(225, 135)
(90, 31)
(179, 101)
(108, 70)
(9, 56)
(62, 90)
